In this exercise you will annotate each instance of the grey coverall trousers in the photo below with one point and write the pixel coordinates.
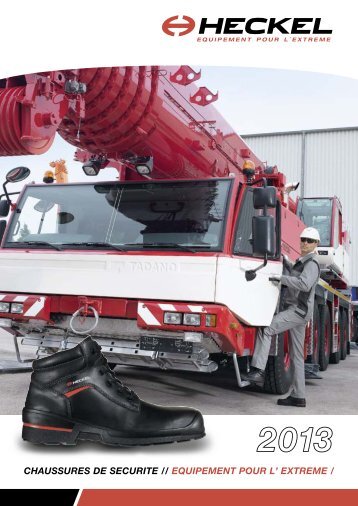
(286, 320)
(304, 275)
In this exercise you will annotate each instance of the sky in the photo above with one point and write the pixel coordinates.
(251, 100)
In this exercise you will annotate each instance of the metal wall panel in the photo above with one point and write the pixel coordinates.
(285, 151)
(330, 168)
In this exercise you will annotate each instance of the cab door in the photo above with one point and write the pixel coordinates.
(254, 302)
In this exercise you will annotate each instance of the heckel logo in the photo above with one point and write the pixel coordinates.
(74, 382)
(178, 26)
(184, 25)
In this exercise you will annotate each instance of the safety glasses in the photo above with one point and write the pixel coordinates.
(305, 239)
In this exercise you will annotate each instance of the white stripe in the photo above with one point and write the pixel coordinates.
(146, 315)
(36, 308)
(20, 298)
(167, 307)
(197, 309)
(78, 497)
(2, 297)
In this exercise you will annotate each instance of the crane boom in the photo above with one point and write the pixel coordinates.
(120, 114)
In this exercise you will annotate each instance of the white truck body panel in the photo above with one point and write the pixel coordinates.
(165, 277)
(254, 302)
(172, 278)
(335, 258)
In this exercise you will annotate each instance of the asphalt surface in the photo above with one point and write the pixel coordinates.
(214, 394)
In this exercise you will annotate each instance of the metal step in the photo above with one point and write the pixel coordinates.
(13, 366)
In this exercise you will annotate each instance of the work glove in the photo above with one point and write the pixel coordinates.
(275, 280)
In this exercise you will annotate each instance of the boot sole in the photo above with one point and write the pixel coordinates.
(292, 405)
(41, 428)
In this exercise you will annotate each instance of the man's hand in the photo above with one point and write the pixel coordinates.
(275, 279)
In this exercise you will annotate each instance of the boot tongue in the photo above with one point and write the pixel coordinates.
(92, 350)
(90, 347)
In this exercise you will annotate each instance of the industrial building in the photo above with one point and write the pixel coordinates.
(325, 161)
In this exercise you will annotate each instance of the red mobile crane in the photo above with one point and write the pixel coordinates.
(169, 265)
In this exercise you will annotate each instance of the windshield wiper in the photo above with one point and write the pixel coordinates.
(36, 243)
(94, 243)
(171, 245)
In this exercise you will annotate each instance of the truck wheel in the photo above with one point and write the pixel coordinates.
(316, 322)
(335, 356)
(279, 369)
(343, 330)
(325, 338)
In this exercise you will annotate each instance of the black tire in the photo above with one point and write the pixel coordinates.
(355, 329)
(325, 338)
(279, 369)
(343, 326)
(335, 356)
(314, 357)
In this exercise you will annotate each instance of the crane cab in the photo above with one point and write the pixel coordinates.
(325, 214)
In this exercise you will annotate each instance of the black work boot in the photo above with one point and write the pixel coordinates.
(74, 396)
(255, 376)
(292, 401)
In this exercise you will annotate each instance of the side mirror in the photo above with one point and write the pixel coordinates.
(17, 174)
(14, 176)
(4, 208)
(2, 229)
(264, 197)
(263, 241)
(263, 235)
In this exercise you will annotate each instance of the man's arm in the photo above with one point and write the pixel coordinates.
(305, 280)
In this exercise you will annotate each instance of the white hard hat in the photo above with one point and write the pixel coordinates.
(310, 233)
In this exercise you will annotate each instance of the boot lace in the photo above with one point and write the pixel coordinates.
(112, 380)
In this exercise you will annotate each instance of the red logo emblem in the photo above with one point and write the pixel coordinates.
(171, 26)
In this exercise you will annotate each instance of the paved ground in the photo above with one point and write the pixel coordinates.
(217, 394)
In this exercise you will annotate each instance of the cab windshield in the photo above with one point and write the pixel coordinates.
(317, 213)
(179, 215)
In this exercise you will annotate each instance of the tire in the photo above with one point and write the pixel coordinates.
(335, 356)
(314, 357)
(325, 338)
(279, 369)
(355, 329)
(343, 326)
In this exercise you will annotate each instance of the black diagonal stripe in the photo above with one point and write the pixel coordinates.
(40, 497)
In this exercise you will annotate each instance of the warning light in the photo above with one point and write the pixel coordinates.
(49, 177)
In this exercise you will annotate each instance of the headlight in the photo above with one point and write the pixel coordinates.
(191, 319)
(172, 318)
(4, 307)
(193, 337)
(16, 307)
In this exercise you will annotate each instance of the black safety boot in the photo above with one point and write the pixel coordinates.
(255, 376)
(292, 401)
(74, 396)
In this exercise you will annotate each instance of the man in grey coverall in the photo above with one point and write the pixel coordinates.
(298, 310)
